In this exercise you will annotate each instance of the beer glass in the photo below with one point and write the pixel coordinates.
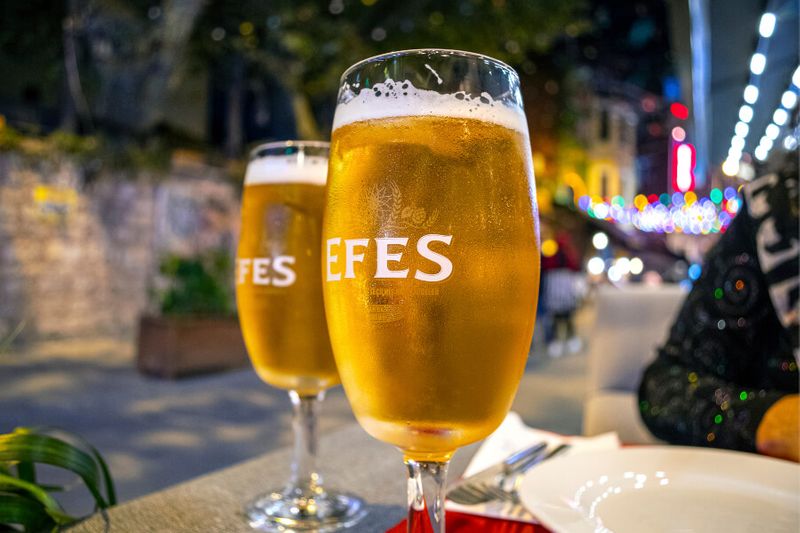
(431, 254)
(279, 298)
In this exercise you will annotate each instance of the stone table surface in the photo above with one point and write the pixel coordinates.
(349, 460)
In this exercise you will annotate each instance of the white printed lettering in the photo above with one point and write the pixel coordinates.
(384, 257)
(330, 259)
(243, 266)
(445, 265)
(351, 258)
(281, 267)
(261, 271)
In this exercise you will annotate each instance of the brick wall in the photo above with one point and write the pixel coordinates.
(79, 259)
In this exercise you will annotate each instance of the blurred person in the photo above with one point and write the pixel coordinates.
(727, 376)
(560, 273)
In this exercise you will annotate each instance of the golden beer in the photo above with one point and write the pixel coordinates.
(279, 296)
(430, 364)
(278, 289)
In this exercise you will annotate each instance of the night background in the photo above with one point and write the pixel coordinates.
(125, 129)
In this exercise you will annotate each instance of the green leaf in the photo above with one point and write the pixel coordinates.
(108, 482)
(38, 494)
(28, 513)
(26, 471)
(22, 446)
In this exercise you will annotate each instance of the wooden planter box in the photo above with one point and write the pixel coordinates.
(172, 346)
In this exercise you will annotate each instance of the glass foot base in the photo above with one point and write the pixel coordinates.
(326, 512)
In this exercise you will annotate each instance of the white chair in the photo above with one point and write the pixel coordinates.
(631, 323)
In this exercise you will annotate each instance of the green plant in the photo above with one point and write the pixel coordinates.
(198, 285)
(7, 339)
(10, 138)
(27, 505)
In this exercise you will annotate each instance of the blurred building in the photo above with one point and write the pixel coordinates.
(600, 155)
(608, 131)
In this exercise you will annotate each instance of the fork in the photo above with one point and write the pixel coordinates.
(484, 485)
(482, 492)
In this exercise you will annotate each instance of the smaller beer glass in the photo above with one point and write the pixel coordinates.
(279, 298)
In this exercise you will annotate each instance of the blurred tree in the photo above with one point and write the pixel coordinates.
(132, 49)
(120, 59)
(305, 45)
(31, 60)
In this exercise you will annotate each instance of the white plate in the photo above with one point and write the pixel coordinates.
(657, 489)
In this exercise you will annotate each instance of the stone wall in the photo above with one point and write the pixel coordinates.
(80, 258)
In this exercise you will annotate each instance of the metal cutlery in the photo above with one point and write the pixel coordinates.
(488, 484)
(484, 485)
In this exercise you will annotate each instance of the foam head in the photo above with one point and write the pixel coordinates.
(402, 99)
(293, 168)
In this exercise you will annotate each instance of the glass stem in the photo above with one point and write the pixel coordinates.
(305, 482)
(426, 482)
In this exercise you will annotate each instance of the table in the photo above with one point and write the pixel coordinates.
(350, 460)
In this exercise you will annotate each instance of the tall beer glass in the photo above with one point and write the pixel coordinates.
(431, 254)
(279, 297)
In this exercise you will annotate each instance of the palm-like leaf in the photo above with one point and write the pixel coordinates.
(25, 503)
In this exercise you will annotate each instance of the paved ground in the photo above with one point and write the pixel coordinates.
(156, 433)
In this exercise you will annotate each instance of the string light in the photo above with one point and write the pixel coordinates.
(751, 94)
(772, 131)
(789, 99)
(741, 129)
(779, 118)
(730, 167)
(677, 213)
(758, 63)
(766, 25)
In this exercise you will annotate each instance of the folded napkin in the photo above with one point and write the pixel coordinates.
(512, 436)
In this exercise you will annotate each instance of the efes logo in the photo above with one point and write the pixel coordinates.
(387, 203)
(387, 250)
(395, 216)
(276, 271)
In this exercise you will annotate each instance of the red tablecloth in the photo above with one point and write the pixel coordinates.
(467, 523)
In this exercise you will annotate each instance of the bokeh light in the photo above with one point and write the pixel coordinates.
(636, 266)
(600, 240)
(623, 265)
(596, 266)
(549, 248)
(694, 271)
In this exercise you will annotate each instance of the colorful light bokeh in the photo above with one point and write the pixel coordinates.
(679, 110)
(549, 248)
(676, 213)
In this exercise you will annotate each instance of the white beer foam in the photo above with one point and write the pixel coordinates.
(402, 99)
(294, 168)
